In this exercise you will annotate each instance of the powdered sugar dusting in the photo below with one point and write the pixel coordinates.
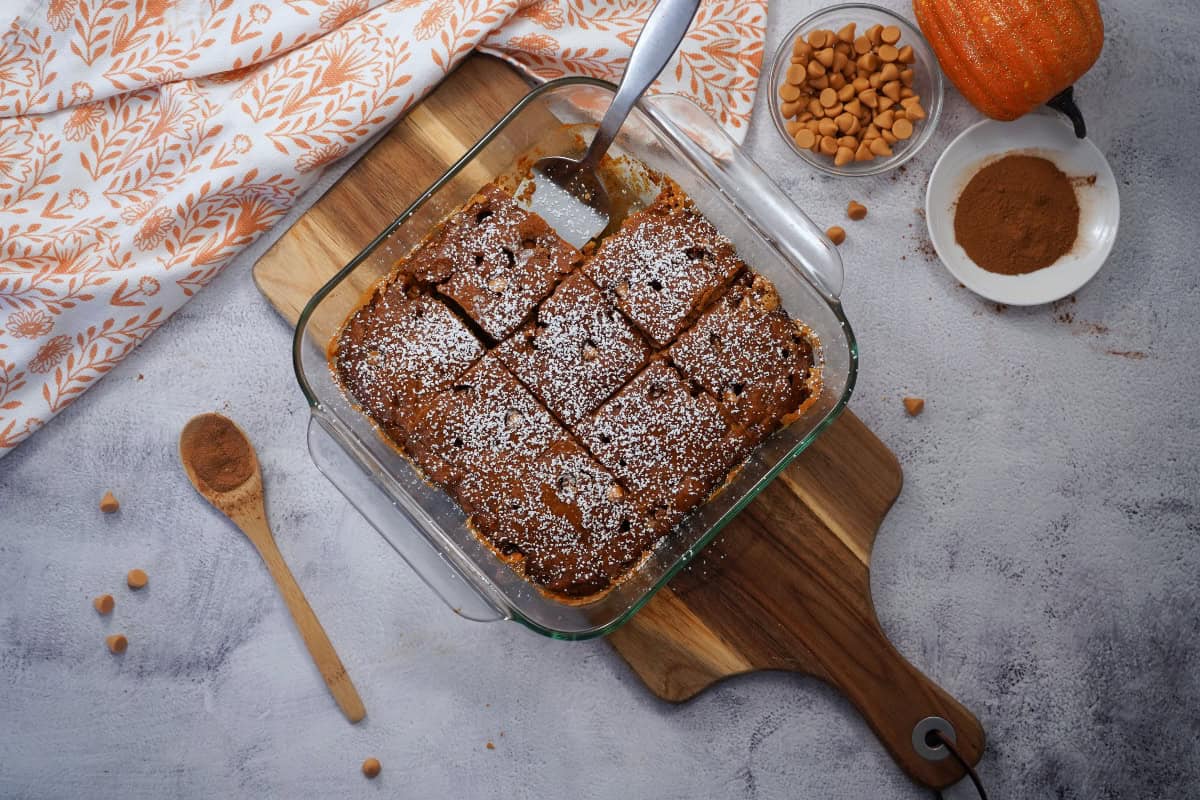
(748, 353)
(663, 440)
(576, 351)
(496, 261)
(663, 265)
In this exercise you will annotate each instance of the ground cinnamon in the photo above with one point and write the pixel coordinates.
(1017, 215)
(218, 452)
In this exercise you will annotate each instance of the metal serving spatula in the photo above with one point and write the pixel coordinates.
(567, 193)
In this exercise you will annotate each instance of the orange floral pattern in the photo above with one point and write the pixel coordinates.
(144, 143)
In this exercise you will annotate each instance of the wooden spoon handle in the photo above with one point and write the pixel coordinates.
(319, 646)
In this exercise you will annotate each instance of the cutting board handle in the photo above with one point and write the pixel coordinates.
(893, 696)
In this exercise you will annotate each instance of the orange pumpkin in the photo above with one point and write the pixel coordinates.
(1008, 57)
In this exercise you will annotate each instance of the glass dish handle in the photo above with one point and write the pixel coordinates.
(778, 220)
(353, 481)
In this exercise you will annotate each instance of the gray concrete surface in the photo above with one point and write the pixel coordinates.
(1042, 562)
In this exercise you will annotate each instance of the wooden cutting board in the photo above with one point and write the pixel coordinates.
(786, 586)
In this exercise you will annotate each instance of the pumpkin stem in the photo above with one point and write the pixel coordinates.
(1064, 102)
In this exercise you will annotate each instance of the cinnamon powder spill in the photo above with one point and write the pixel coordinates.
(218, 452)
(1017, 215)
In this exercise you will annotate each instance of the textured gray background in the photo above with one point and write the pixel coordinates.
(1041, 563)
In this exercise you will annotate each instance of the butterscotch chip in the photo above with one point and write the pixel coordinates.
(869, 98)
(847, 141)
(890, 72)
(826, 57)
(801, 48)
(796, 74)
(829, 145)
(840, 60)
(846, 34)
(791, 109)
(827, 127)
(108, 503)
(844, 156)
(805, 138)
(887, 53)
(815, 69)
(906, 77)
(837, 81)
(862, 45)
(856, 210)
(890, 34)
(914, 111)
(371, 767)
(136, 579)
(117, 643)
(902, 129)
(874, 33)
(885, 103)
(816, 39)
(836, 234)
(864, 153)
(868, 62)
(889, 137)
(880, 147)
(885, 119)
(845, 121)
(906, 55)
(104, 604)
(828, 98)
(789, 93)
(914, 405)
(846, 93)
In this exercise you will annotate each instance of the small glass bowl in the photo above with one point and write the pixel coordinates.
(927, 83)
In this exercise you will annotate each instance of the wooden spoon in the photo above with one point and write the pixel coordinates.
(230, 479)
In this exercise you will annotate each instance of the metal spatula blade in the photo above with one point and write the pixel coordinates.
(567, 193)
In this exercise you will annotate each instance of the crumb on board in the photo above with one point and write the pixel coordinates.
(914, 405)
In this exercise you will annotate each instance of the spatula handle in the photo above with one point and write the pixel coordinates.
(317, 641)
(658, 41)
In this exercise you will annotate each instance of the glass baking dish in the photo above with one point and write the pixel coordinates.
(672, 135)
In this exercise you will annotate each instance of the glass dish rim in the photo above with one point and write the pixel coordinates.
(927, 129)
(317, 409)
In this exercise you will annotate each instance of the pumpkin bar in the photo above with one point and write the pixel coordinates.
(576, 351)
(398, 349)
(663, 265)
(485, 420)
(748, 353)
(495, 260)
(561, 519)
(667, 442)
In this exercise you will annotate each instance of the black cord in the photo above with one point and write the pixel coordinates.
(974, 776)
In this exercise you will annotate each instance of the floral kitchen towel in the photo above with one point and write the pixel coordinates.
(144, 143)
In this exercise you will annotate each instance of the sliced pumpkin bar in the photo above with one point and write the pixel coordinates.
(663, 266)
(669, 443)
(748, 353)
(495, 260)
(575, 351)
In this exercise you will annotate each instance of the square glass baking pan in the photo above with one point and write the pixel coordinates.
(673, 136)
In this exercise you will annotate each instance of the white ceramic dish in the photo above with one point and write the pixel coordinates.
(1051, 137)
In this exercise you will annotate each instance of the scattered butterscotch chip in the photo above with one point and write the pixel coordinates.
(490, 746)
(914, 405)
(108, 503)
(117, 643)
(836, 234)
(856, 210)
(136, 579)
(371, 767)
(104, 603)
